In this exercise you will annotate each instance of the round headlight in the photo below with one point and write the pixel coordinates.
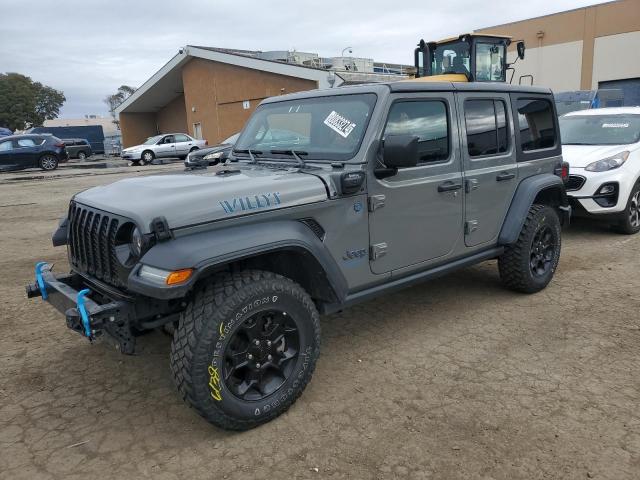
(136, 242)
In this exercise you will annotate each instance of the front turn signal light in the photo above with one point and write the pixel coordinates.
(179, 276)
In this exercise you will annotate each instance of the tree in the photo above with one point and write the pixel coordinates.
(114, 101)
(25, 103)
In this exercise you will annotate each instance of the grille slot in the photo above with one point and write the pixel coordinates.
(92, 243)
(575, 182)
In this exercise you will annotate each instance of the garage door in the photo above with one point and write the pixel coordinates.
(630, 90)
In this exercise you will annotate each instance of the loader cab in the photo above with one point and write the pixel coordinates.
(467, 58)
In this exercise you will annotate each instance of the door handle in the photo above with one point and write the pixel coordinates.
(505, 176)
(449, 186)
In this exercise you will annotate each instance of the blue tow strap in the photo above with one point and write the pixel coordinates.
(83, 312)
(40, 281)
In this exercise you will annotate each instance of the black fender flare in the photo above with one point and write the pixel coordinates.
(207, 251)
(524, 197)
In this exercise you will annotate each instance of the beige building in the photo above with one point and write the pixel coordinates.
(582, 49)
(210, 92)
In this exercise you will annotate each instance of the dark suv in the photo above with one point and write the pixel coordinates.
(28, 151)
(79, 148)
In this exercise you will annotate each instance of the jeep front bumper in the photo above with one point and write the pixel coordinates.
(71, 295)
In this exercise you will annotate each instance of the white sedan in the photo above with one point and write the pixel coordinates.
(167, 145)
(602, 147)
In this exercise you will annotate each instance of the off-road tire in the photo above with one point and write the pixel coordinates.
(207, 326)
(626, 225)
(515, 263)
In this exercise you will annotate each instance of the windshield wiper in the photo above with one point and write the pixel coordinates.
(294, 154)
(251, 153)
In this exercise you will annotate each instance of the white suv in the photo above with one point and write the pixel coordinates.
(602, 147)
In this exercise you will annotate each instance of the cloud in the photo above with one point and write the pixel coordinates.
(89, 48)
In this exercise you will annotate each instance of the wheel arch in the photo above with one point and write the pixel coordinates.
(546, 189)
(288, 247)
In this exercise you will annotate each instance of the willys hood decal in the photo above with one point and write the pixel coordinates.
(187, 199)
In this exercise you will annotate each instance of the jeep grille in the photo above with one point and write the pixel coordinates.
(91, 244)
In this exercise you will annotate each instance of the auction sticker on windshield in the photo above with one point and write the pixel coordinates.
(339, 124)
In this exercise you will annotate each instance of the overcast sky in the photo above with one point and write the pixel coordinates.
(87, 48)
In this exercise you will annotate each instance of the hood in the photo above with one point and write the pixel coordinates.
(135, 147)
(206, 151)
(186, 199)
(579, 156)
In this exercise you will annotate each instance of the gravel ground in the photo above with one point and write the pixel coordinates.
(454, 379)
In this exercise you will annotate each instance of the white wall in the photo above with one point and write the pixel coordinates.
(555, 66)
(616, 57)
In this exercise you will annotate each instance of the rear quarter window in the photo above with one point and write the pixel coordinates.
(536, 126)
(536, 122)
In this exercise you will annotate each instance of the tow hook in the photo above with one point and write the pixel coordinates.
(83, 313)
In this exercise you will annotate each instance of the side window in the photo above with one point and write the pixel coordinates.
(486, 125)
(6, 146)
(426, 119)
(536, 124)
(182, 138)
(168, 139)
(26, 142)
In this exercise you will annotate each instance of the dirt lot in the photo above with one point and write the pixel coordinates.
(454, 379)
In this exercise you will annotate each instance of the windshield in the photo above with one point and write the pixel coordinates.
(231, 140)
(600, 129)
(490, 62)
(152, 140)
(451, 58)
(322, 128)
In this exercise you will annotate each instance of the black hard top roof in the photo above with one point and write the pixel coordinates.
(412, 86)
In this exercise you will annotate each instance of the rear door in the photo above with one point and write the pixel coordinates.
(489, 163)
(422, 215)
(27, 151)
(183, 144)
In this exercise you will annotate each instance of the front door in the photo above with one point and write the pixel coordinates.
(416, 215)
(489, 161)
(166, 147)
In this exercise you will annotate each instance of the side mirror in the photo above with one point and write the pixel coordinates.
(520, 48)
(400, 151)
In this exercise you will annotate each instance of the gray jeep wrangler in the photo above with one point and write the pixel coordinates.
(329, 198)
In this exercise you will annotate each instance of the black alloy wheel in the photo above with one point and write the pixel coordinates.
(261, 355)
(542, 251)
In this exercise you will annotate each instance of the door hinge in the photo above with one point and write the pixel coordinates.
(376, 202)
(470, 185)
(470, 226)
(378, 250)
